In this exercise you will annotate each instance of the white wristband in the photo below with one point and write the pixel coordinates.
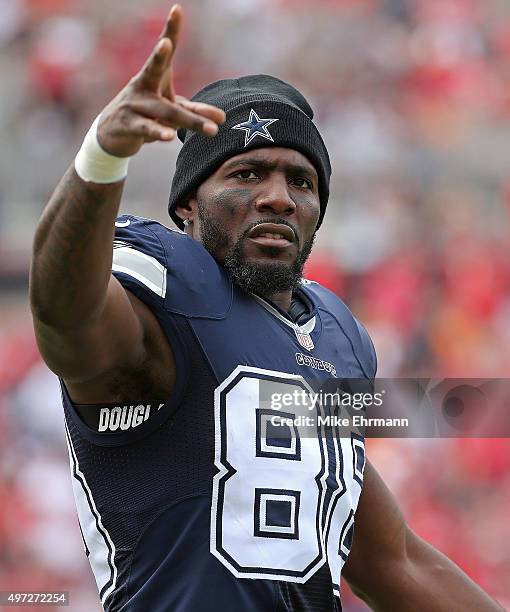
(94, 164)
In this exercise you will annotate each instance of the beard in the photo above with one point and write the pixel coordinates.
(264, 279)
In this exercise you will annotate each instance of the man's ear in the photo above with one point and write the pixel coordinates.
(187, 209)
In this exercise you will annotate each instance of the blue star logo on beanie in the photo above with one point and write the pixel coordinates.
(255, 126)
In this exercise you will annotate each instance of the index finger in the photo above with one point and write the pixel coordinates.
(173, 25)
(171, 30)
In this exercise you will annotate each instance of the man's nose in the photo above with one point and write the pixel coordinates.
(275, 197)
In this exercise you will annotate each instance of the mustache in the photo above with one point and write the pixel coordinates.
(276, 221)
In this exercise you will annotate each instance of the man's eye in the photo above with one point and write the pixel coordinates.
(247, 174)
(302, 183)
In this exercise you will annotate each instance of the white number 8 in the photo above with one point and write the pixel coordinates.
(271, 506)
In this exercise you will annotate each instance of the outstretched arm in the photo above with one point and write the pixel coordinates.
(394, 570)
(86, 323)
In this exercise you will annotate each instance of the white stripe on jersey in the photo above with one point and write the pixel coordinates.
(97, 539)
(144, 268)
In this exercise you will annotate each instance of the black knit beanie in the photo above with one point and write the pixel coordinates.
(262, 111)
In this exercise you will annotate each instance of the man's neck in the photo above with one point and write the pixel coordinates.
(281, 299)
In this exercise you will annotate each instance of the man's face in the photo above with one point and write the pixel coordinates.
(257, 216)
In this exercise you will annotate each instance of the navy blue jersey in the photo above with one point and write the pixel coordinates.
(194, 502)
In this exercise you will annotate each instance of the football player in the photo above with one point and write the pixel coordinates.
(169, 345)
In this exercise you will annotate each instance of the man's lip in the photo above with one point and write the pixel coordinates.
(286, 232)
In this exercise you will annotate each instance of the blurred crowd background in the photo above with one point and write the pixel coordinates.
(413, 100)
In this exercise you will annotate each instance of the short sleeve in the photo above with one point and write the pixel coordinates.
(139, 260)
(368, 351)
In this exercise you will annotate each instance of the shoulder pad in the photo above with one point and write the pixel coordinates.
(167, 265)
(360, 339)
(138, 256)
